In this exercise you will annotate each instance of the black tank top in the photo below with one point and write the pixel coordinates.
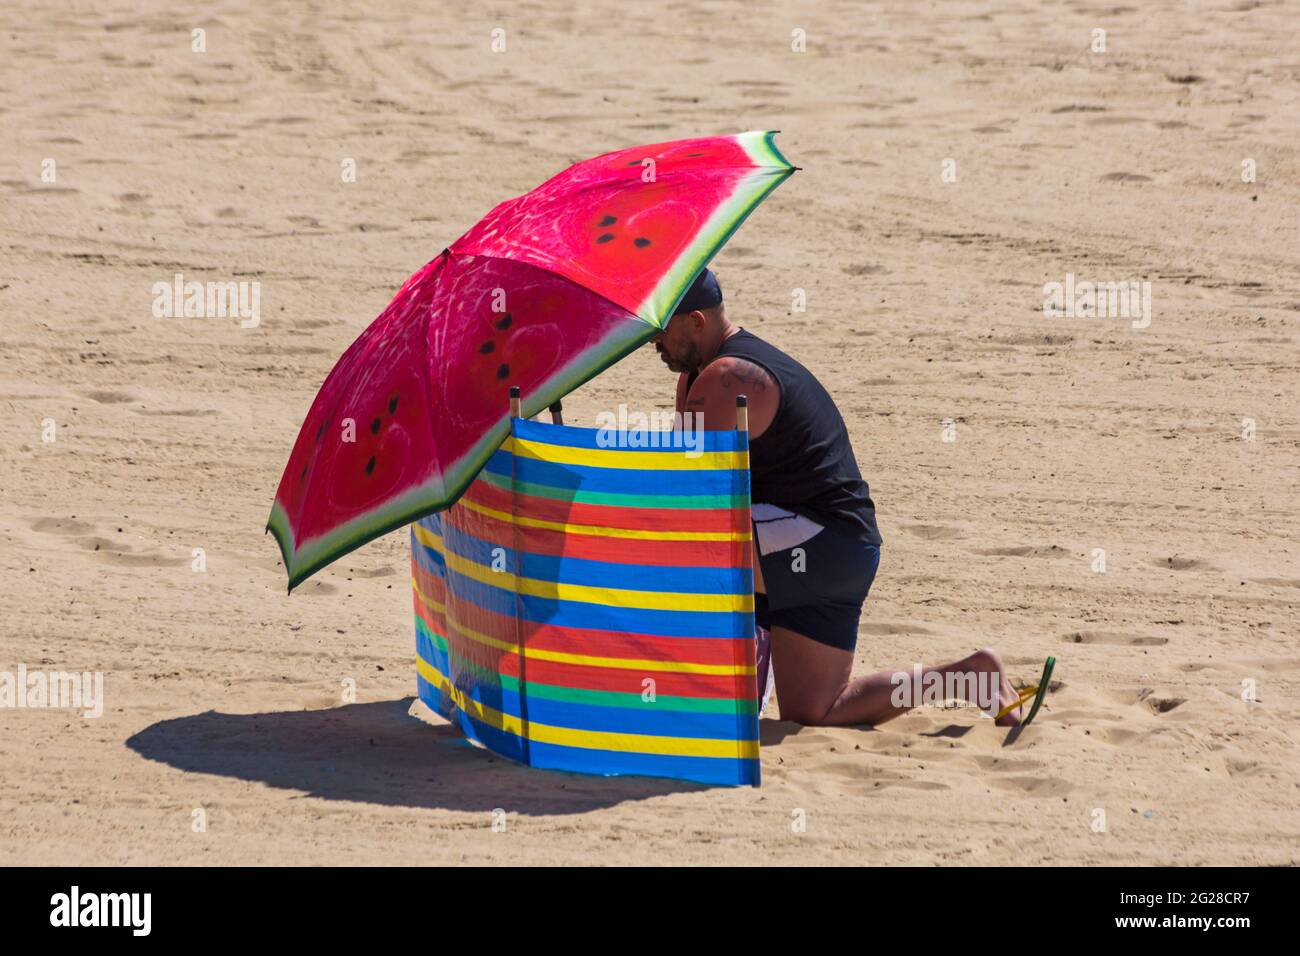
(803, 462)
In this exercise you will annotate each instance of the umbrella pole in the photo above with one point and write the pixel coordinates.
(742, 413)
(557, 413)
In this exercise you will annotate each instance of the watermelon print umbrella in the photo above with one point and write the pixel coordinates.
(548, 290)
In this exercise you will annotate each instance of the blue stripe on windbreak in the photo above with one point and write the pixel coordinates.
(509, 745)
(569, 436)
(629, 481)
(714, 770)
(646, 719)
(570, 570)
(725, 771)
(581, 614)
(432, 697)
(653, 623)
(721, 771)
(432, 522)
(498, 741)
(430, 559)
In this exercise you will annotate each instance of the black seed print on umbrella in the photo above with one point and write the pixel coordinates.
(489, 346)
(605, 223)
(304, 473)
(392, 404)
(320, 432)
(374, 427)
(370, 465)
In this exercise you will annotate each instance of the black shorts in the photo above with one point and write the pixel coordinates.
(817, 588)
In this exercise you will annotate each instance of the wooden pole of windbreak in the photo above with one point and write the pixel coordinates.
(742, 425)
(517, 407)
(517, 411)
(749, 658)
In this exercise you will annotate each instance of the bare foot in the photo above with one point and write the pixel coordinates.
(988, 661)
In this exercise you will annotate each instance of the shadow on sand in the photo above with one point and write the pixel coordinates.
(379, 753)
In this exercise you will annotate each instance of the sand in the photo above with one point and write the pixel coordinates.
(225, 737)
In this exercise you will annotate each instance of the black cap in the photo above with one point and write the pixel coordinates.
(704, 293)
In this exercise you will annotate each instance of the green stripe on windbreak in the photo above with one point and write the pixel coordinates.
(624, 499)
(601, 698)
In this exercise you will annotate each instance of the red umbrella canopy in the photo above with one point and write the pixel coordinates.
(548, 290)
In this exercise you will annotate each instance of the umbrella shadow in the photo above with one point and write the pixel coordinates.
(379, 753)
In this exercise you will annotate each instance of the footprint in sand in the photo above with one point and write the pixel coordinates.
(1114, 736)
(381, 572)
(885, 628)
(1243, 768)
(995, 764)
(1026, 551)
(1278, 582)
(105, 397)
(1113, 637)
(1147, 698)
(177, 412)
(122, 555)
(1176, 563)
(1034, 786)
(933, 532)
(912, 784)
(104, 549)
(62, 526)
(1163, 705)
(316, 589)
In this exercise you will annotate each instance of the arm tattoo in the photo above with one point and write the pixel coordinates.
(746, 374)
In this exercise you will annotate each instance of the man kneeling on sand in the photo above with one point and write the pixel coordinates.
(816, 542)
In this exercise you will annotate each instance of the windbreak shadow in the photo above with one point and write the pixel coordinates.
(379, 753)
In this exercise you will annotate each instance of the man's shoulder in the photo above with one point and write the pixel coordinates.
(734, 371)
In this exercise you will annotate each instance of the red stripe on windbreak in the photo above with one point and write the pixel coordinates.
(709, 686)
(588, 677)
(607, 516)
(573, 640)
(693, 554)
(679, 554)
(694, 650)
(433, 586)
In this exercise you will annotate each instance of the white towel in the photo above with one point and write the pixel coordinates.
(781, 530)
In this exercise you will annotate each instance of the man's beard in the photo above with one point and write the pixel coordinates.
(690, 364)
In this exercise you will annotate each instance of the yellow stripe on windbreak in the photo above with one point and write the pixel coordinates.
(590, 594)
(627, 459)
(588, 739)
(604, 532)
(585, 660)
